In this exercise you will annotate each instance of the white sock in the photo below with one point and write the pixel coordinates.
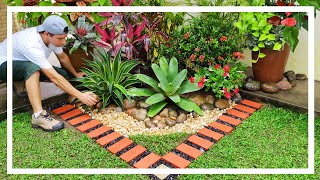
(37, 114)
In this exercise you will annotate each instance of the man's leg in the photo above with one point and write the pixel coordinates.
(33, 91)
(30, 74)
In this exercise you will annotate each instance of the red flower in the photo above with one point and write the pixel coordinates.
(197, 49)
(237, 55)
(192, 57)
(191, 79)
(280, 3)
(236, 91)
(186, 35)
(217, 66)
(288, 13)
(179, 52)
(223, 38)
(201, 57)
(203, 79)
(225, 74)
(226, 93)
(289, 22)
(274, 20)
(220, 58)
(200, 84)
(226, 68)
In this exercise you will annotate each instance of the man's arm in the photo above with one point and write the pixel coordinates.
(87, 98)
(66, 63)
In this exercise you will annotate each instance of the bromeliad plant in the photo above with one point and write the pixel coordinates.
(82, 35)
(109, 79)
(171, 86)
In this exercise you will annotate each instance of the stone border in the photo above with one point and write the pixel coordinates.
(138, 156)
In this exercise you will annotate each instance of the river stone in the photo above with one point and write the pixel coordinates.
(131, 111)
(156, 118)
(140, 114)
(150, 124)
(284, 85)
(143, 105)
(164, 112)
(198, 99)
(222, 104)
(249, 78)
(78, 104)
(173, 114)
(128, 105)
(71, 99)
(194, 114)
(284, 79)
(270, 87)
(289, 73)
(118, 109)
(293, 83)
(301, 76)
(161, 124)
(210, 99)
(237, 98)
(205, 107)
(170, 122)
(181, 118)
(252, 85)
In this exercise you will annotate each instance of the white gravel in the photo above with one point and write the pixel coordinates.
(127, 125)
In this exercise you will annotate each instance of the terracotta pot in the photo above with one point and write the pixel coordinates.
(76, 57)
(271, 67)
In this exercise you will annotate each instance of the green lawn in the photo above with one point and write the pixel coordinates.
(271, 138)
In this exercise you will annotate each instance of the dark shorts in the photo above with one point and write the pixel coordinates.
(22, 70)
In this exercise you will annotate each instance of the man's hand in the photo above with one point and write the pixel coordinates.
(88, 98)
(80, 74)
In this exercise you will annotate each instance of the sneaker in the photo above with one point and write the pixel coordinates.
(46, 122)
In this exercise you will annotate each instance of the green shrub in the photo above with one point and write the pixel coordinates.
(205, 42)
(170, 86)
(109, 79)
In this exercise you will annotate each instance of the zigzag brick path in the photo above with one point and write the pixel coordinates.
(138, 156)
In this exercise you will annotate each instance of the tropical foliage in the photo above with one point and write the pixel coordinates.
(171, 85)
(81, 35)
(109, 79)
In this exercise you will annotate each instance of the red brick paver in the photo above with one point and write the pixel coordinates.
(251, 103)
(88, 125)
(71, 114)
(97, 132)
(118, 146)
(147, 161)
(108, 138)
(221, 127)
(133, 153)
(244, 108)
(207, 132)
(200, 141)
(238, 113)
(230, 120)
(79, 119)
(63, 109)
(176, 160)
(191, 151)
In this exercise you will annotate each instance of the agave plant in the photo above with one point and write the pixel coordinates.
(108, 79)
(170, 86)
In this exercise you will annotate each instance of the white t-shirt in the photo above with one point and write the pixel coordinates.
(27, 45)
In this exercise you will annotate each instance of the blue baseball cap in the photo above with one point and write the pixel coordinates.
(53, 24)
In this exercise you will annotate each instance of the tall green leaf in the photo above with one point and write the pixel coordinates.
(150, 81)
(156, 108)
(189, 106)
(173, 69)
(155, 98)
(164, 66)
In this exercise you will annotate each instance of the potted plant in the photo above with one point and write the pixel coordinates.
(270, 36)
(78, 44)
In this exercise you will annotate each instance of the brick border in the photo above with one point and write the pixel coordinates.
(138, 156)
